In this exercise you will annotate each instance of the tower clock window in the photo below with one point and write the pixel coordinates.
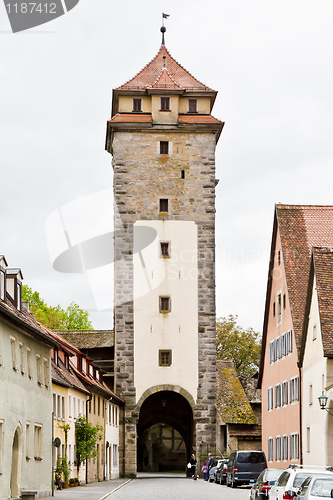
(192, 106)
(137, 105)
(164, 205)
(165, 358)
(165, 103)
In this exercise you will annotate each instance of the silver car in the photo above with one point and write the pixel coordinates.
(315, 488)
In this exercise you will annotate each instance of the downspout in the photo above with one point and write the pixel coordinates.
(300, 415)
(87, 401)
(52, 482)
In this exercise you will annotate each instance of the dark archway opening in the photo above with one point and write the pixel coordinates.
(165, 433)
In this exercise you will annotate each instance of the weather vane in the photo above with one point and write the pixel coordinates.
(163, 29)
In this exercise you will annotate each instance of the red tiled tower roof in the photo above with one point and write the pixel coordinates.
(178, 75)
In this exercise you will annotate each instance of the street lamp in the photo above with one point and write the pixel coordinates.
(323, 402)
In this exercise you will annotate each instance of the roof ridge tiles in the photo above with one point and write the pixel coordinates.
(157, 65)
(162, 73)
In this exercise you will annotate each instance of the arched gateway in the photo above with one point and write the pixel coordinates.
(162, 137)
(165, 432)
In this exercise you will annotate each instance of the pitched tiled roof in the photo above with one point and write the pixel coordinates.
(149, 75)
(198, 119)
(88, 339)
(27, 321)
(231, 401)
(132, 118)
(67, 378)
(165, 81)
(323, 263)
(302, 227)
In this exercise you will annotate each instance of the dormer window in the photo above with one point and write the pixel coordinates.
(165, 103)
(2, 284)
(137, 105)
(192, 106)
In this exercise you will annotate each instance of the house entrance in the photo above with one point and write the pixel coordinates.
(165, 433)
(15, 477)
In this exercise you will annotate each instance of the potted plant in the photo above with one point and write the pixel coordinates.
(76, 481)
(71, 482)
(65, 471)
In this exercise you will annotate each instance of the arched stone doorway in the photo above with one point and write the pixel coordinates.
(165, 432)
(15, 476)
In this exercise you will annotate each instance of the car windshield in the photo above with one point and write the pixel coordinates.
(250, 457)
(271, 475)
(322, 487)
(299, 478)
(305, 485)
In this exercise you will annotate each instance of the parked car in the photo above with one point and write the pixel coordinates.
(212, 471)
(265, 481)
(221, 472)
(292, 478)
(244, 467)
(316, 487)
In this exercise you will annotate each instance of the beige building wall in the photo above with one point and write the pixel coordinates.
(25, 414)
(317, 378)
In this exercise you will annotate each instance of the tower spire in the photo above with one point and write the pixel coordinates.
(163, 28)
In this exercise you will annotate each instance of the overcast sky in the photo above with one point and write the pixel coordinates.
(271, 63)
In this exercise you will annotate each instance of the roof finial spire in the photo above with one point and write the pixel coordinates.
(163, 29)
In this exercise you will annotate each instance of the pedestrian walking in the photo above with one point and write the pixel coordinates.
(193, 462)
(204, 469)
(211, 462)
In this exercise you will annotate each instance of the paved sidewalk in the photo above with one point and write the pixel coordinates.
(92, 491)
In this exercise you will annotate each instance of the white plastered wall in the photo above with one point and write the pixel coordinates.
(177, 278)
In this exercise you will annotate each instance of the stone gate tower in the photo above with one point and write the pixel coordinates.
(162, 137)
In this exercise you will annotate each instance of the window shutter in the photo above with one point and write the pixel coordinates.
(297, 390)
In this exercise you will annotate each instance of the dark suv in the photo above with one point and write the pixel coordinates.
(244, 467)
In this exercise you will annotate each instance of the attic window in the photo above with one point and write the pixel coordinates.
(137, 105)
(192, 106)
(2, 285)
(165, 104)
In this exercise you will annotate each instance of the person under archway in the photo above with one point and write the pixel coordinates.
(193, 462)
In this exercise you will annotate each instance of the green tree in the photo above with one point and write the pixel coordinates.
(86, 437)
(56, 318)
(242, 346)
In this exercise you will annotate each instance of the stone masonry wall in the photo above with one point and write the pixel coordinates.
(141, 177)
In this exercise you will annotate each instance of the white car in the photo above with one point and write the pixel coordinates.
(291, 479)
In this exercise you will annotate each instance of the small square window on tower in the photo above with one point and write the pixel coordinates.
(164, 147)
(165, 103)
(164, 205)
(165, 249)
(165, 304)
(165, 357)
(137, 105)
(192, 106)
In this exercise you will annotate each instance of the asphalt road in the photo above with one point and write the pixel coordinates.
(177, 488)
(154, 487)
